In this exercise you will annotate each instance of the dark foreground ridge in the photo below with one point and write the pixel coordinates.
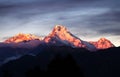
(57, 67)
(60, 61)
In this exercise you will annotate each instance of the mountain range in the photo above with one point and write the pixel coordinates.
(22, 52)
(59, 36)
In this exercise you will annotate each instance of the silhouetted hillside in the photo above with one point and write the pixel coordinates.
(57, 67)
(71, 61)
(60, 66)
(8, 52)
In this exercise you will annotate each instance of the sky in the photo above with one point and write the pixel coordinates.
(87, 19)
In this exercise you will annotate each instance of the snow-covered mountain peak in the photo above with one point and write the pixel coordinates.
(21, 37)
(60, 35)
(102, 43)
(60, 28)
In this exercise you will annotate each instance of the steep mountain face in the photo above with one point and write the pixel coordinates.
(102, 43)
(22, 38)
(61, 36)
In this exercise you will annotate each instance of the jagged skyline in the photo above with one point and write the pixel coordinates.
(59, 36)
(28, 36)
(87, 19)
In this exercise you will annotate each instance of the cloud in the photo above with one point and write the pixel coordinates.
(87, 18)
(106, 23)
(42, 6)
(112, 31)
